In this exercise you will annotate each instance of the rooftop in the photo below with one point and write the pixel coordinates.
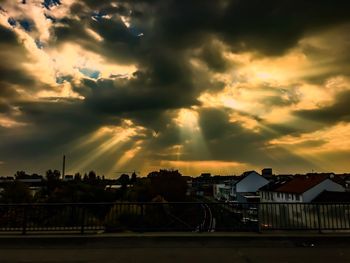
(301, 184)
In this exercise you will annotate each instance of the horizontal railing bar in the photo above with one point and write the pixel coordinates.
(180, 203)
(174, 216)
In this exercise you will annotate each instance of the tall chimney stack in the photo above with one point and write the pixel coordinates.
(63, 167)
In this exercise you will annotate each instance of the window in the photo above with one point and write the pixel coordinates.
(297, 197)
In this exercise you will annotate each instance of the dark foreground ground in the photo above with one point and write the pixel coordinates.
(211, 247)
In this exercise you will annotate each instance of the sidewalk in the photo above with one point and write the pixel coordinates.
(216, 239)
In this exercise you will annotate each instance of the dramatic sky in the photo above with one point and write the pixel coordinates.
(217, 86)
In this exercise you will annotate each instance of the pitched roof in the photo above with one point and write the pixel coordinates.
(244, 175)
(301, 184)
(272, 186)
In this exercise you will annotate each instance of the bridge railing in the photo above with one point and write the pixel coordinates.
(174, 216)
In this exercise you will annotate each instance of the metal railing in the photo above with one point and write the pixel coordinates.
(179, 216)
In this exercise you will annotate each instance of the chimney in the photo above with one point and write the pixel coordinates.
(266, 172)
(63, 167)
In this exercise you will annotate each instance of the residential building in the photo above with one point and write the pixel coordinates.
(222, 191)
(300, 189)
(290, 201)
(30, 179)
(246, 189)
(68, 178)
(205, 184)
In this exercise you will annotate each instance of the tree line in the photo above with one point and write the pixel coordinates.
(163, 185)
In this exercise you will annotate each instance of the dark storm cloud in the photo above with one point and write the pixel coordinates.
(97, 4)
(224, 135)
(267, 26)
(119, 42)
(113, 97)
(156, 120)
(6, 91)
(294, 128)
(330, 54)
(270, 27)
(231, 142)
(7, 36)
(157, 148)
(307, 121)
(163, 84)
(52, 124)
(173, 32)
(15, 76)
(337, 112)
(12, 72)
(172, 28)
(273, 26)
(213, 56)
(4, 107)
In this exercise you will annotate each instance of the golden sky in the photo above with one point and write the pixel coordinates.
(200, 86)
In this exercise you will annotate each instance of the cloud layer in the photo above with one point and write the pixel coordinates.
(217, 86)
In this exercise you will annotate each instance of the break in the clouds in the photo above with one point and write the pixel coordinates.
(218, 86)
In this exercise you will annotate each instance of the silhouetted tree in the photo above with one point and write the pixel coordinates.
(170, 184)
(77, 177)
(92, 176)
(124, 180)
(16, 192)
(53, 175)
(20, 174)
(133, 178)
(52, 178)
(142, 191)
(80, 192)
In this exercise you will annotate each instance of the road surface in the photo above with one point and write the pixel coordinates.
(174, 254)
(200, 248)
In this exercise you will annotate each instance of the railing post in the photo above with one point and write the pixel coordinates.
(83, 220)
(24, 222)
(319, 219)
(259, 217)
(142, 217)
(347, 226)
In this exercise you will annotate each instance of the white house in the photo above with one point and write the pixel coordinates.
(288, 204)
(249, 183)
(30, 179)
(68, 178)
(222, 191)
(301, 189)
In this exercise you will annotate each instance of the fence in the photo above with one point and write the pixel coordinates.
(189, 216)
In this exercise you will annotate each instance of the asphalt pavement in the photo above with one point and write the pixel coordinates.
(179, 247)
